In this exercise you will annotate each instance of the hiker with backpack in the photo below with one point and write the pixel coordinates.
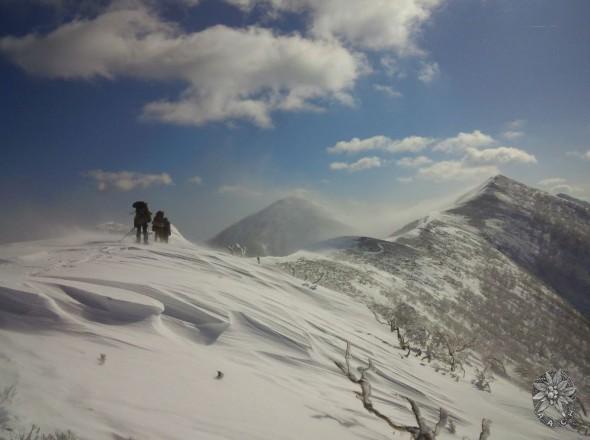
(161, 227)
(143, 216)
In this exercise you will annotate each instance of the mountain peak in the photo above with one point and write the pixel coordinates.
(291, 200)
(283, 227)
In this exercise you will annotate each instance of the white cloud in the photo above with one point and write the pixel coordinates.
(463, 141)
(126, 180)
(552, 181)
(456, 171)
(566, 188)
(370, 24)
(355, 145)
(557, 185)
(499, 155)
(364, 163)
(387, 90)
(476, 155)
(197, 180)
(405, 179)
(512, 134)
(411, 162)
(579, 155)
(514, 129)
(390, 65)
(428, 72)
(238, 190)
(229, 73)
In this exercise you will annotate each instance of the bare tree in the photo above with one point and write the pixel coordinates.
(399, 319)
(399, 316)
(420, 432)
(456, 346)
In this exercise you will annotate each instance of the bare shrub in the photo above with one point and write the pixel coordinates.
(483, 380)
(6, 397)
(420, 432)
(452, 428)
(34, 433)
(456, 347)
(102, 359)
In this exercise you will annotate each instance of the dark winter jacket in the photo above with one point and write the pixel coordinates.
(142, 214)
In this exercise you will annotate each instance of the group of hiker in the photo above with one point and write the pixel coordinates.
(143, 216)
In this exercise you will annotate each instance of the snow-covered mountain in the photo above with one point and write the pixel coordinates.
(114, 340)
(507, 264)
(548, 236)
(283, 227)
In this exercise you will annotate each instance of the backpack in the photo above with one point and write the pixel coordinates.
(142, 213)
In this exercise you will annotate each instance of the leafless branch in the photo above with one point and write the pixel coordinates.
(320, 278)
(420, 432)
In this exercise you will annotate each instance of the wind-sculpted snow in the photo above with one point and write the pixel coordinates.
(116, 340)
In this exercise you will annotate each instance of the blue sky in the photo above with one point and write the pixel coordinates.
(212, 109)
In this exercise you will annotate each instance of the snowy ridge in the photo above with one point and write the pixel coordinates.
(168, 317)
(504, 262)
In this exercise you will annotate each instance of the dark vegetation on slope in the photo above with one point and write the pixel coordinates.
(479, 270)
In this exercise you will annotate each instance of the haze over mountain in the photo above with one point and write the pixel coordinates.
(284, 227)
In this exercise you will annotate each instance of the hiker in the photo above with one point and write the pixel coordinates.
(142, 217)
(161, 227)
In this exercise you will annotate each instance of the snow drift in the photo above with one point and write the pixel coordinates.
(114, 340)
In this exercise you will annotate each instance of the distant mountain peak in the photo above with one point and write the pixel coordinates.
(283, 227)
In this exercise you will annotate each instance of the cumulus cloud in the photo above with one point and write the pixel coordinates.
(453, 170)
(229, 73)
(463, 141)
(197, 180)
(428, 72)
(411, 162)
(364, 163)
(499, 155)
(370, 24)
(387, 90)
(355, 145)
(126, 180)
(475, 154)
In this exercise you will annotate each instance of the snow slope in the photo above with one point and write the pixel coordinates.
(168, 317)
